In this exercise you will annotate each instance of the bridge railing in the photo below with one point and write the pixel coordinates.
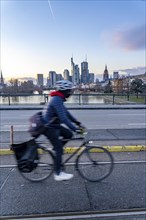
(78, 99)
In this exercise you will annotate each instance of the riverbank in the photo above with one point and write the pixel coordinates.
(77, 99)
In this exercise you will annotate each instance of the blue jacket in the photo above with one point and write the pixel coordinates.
(56, 113)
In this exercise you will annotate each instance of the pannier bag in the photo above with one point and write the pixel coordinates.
(36, 127)
(26, 155)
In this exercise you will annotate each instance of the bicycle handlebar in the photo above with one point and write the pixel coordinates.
(77, 137)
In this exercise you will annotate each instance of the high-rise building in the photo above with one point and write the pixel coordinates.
(115, 75)
(1, 79)
(84, 72)
(91, 77)
(75, 74)
(105, 74)
(40, 79)
(58, 76)
(52, 78)
(66, 74)
(72, 67)
(2, 84)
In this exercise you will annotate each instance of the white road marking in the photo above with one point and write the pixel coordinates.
(127, 114)
(136, 124)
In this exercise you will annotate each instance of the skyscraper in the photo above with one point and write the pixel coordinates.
(84, 72)
(91, 77)
(52, 78)
(116, 75)
(2, 85)
(40, 79)
(66, 74)
(105, 74)
(75, 73)
(1, 79)
(58, 76)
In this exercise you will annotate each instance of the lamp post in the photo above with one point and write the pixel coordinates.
(128, 85)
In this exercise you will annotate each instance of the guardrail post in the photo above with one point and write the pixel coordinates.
(11, 135)
(113, 99)
(128, 96)
(79, 99)
(9, 99)
(45, 98)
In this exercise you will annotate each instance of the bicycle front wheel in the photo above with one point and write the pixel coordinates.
(95, 163)
(44, 168)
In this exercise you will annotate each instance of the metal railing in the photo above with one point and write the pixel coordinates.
(79, 99)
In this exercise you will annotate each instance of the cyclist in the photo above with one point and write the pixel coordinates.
(55, 116)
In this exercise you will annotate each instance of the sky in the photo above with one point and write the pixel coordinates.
(38, 36)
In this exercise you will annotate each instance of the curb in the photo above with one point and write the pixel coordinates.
(79, 108)
(69, 150)
(76, 106)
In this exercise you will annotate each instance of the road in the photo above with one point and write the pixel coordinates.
(124, 189)
(92, 119)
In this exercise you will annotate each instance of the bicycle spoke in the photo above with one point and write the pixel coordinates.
(44, 168)
(95, 164)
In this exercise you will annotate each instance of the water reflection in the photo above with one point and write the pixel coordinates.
(37, 99)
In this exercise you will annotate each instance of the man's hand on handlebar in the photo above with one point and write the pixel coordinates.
(81, 129)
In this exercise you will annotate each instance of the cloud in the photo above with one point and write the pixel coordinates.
(135, 70)
(132, 39)
(49, 2)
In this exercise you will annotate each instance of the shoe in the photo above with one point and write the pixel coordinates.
(63, 176)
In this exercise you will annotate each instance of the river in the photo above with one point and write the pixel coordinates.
(40, 99)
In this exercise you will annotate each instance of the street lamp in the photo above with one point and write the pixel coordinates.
(128, 85)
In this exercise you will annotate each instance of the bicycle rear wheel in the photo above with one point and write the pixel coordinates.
(95, 163)
(44, 168)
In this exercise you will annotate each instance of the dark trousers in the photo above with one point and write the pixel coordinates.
(54, 134)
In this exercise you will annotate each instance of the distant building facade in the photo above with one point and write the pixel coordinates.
(91, 77)
(52, 79)
(105, 74)
(58, 76)
(1, 79)
(66, 75)
(2, 84)
(115, 75)
(72, 69)
(84, 72)
(75, 74)
(40, 79)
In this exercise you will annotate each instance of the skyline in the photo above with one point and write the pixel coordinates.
(42, 36)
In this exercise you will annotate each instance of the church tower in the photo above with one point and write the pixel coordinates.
(105, 74)
(1, 79)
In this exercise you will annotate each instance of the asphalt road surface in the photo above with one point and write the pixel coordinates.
(124, 189)
(92, 119)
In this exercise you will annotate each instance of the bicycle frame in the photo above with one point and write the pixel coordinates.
(84, 162)
(79, 149)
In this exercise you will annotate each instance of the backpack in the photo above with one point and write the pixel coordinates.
(26, 155)
(36, 126)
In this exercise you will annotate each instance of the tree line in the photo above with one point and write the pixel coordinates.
(136, 86)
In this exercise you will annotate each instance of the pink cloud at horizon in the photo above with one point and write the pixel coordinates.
(131, 39)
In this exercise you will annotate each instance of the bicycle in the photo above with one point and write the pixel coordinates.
(93, 163)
